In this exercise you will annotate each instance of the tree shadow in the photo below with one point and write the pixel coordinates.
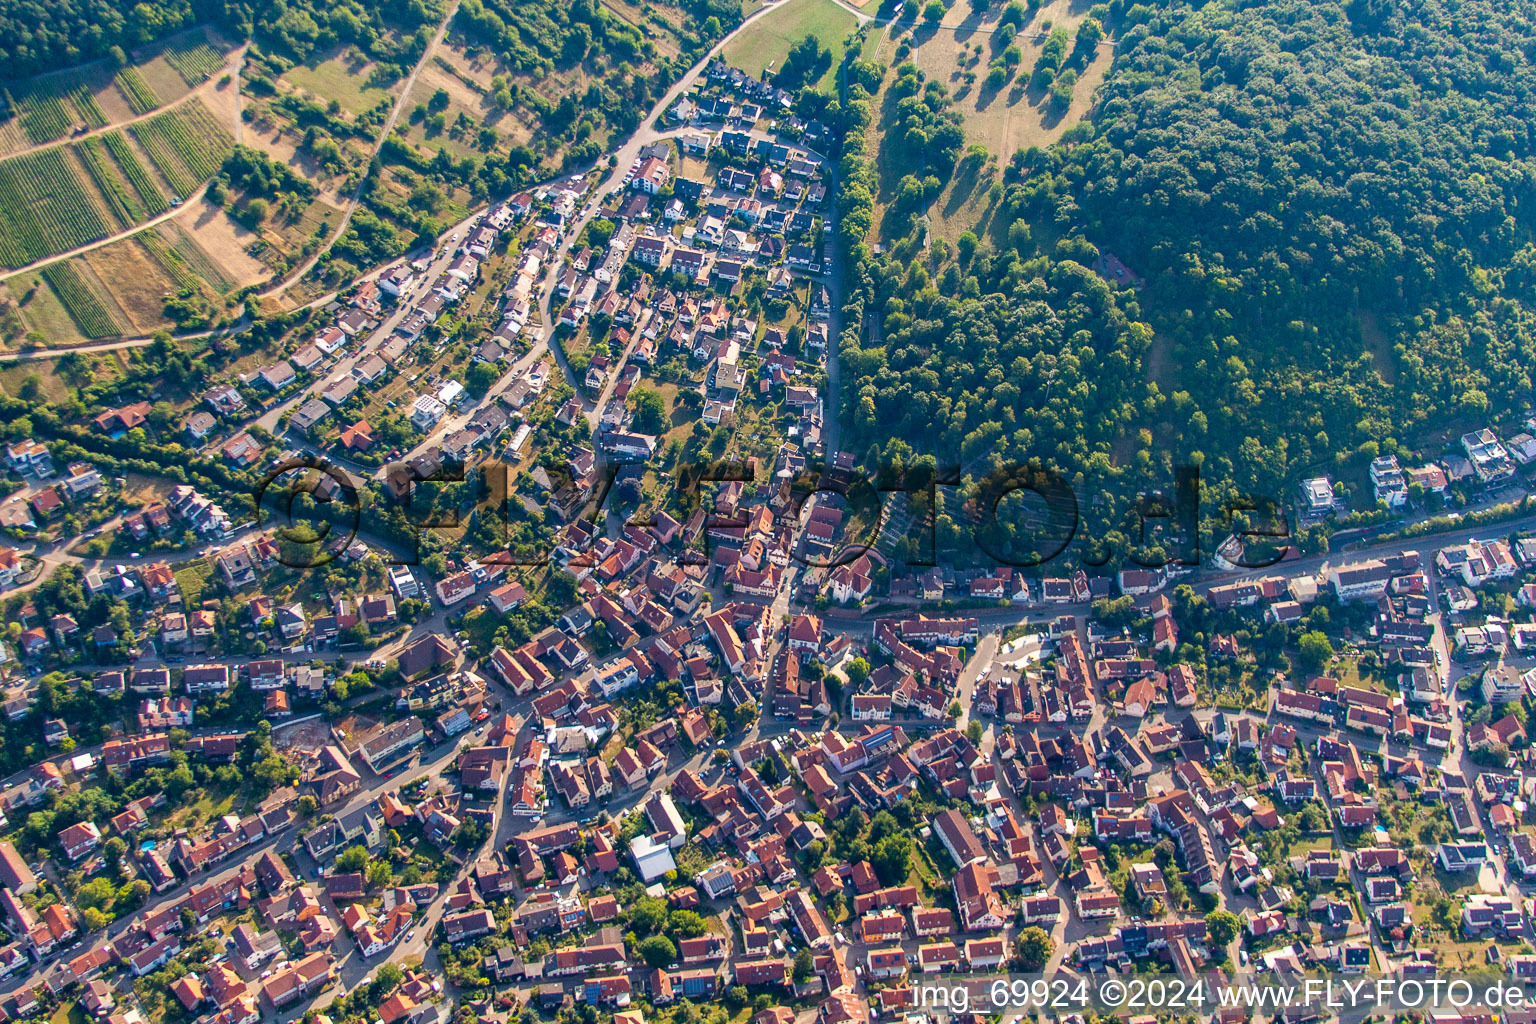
(922, 32)
(967, 178)
(972, 23)
(986, 94)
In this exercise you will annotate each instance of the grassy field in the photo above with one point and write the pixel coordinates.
(767, 41)
(956, 54)
(341, 77)
(43, 315)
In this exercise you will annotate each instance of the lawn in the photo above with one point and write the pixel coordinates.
(193, 580)
(767, 41)
(212, 804)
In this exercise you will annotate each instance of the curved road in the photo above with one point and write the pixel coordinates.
(643, 136)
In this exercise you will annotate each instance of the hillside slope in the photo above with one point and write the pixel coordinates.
(1327, 208)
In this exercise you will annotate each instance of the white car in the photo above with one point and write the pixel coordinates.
(410, 935)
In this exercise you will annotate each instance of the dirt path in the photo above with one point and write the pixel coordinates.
(389, 126)
(122, 343)
(231, 67)
(642, 137)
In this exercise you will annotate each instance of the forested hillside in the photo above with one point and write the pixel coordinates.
(39, 36)
(1330, 206)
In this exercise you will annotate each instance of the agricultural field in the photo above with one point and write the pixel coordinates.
(767, 41)
(140, 96)
(185, 259)
(44, 208)
(50, 108)
(86, 306)
(64, 197)
(117, 290)
(186, 144)
(59, 105)
(142, 276)
(215, 246)
(112, 180)
(121, 289)
(194, 61)
(125, 157)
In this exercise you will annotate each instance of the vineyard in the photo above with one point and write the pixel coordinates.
(186, 145)
(169, 260)
(84, 307)
(124, 204)
(195, 64)
(150, 195)
(84, 102)
(49, 205)
(43, 118)
(43, 208)
(186, 249)
(141, 98)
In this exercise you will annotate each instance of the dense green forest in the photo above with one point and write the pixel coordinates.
(39, 36)
(392, 32)
(1329, 205)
